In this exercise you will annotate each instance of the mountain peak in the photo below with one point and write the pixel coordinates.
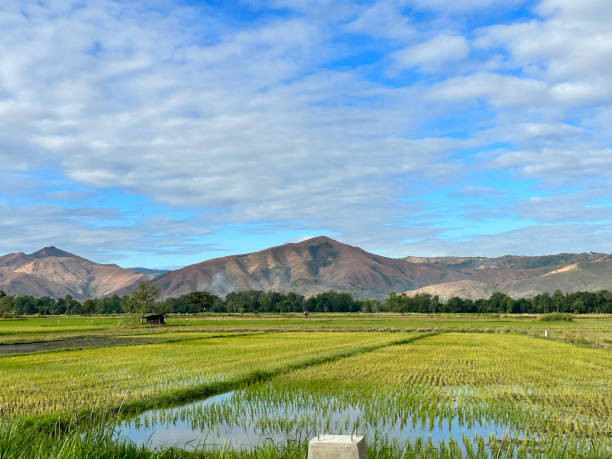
(51, 251)
(319, 240)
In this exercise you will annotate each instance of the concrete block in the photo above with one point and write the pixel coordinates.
(337, 447)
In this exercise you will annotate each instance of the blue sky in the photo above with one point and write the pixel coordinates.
(164, 133)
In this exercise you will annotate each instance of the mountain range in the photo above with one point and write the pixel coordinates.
(55, 273)
(521, 276)
(310, 267)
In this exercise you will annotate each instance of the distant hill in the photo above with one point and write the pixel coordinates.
(56, 273)
(519, 276)
(464, 289)
(509, 262)
(308, 268)
(591, 276)
(150, 272)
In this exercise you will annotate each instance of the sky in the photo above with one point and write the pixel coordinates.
(164, 133)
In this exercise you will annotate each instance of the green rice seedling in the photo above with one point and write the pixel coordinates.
(525, 392)
(157, 374)
(409, 399)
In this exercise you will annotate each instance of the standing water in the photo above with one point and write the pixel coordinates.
(239, 420)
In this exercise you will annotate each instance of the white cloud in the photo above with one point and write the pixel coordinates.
(530, 240)
(599, 11)
(498, 90)
(433, 55)
(568, 47)
(567, 208)
(251, 122)
(78, 230)
(450, 6)
(238, 126)
(560, 165)
(384, 19)
(533, 131)
(478, 191)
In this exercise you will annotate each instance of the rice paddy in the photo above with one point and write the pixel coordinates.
(66, 381)
(257, 387)
(464, 391)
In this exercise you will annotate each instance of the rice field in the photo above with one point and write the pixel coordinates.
(588, 329)
(468, 393)
(66, 381)
(261, 386)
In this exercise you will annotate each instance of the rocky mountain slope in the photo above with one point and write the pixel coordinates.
(308, 268)
(55, 273)
(519, 276)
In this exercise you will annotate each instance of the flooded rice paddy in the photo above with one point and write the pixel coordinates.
(462, 393)
(241, 420)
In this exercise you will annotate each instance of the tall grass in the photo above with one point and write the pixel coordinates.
(557, 317)
(100, 441)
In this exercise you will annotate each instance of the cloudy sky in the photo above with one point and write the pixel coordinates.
(162, 133)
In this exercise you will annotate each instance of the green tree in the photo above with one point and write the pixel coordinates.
(200, 301)
(44, 305)
(435, 304)
(143, 298)
(24, 305)
(6, 306)
(498, 302)
(558, 300)
(578, 306)
(59, 307)
(108, 305)
(89, 306)
(72, 305)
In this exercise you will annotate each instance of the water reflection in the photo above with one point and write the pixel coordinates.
(192, 426)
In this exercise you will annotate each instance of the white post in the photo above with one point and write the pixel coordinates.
(337, 447)
(545, 333)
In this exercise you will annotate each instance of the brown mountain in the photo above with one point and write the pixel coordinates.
(519, 276)
(509, 262)
(55, 273)
(311, 267)
(590, 276)
(308, 268)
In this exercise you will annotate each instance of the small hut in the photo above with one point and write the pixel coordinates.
(154, 319)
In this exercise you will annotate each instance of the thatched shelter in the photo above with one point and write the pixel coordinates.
(154, 319)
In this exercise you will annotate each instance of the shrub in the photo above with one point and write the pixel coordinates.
(557, 317)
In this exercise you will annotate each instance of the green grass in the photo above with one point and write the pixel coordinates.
(557, 317)
(52, 324)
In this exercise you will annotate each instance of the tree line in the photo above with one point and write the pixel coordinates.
(575, 302)
(145, 299)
